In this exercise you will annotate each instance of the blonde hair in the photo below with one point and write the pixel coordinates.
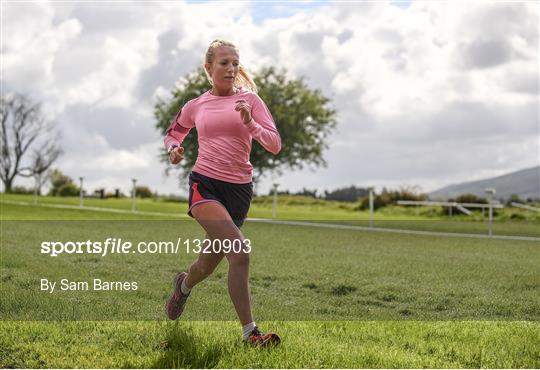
(242, 79)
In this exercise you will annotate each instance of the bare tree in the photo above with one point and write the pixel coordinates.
(24, 128)
(41, 164)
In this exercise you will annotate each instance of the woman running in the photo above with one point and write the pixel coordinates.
(227, 118)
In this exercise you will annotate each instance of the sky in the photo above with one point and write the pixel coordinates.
(428, 93)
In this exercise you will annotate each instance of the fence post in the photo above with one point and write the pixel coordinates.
(133, 194)
(371, 207)
(274, 202)
(81, 194)
(490, 193)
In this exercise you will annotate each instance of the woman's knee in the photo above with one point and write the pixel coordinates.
(238, 259)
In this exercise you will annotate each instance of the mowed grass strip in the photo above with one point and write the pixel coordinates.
(338, 344)
(16, 212)
(301, 209)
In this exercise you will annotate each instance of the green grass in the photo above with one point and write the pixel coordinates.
(145, 205)
(293, 208)
(21, 212)
(338, 298)
(325, 274)
(305, 344)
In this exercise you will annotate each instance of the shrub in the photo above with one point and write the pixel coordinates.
(67, 190)
(143, 192)
(470, 198)
(21, 190)
(60, 181)
(514, 198)
(348, 194)
(517, 216)
(388, 197)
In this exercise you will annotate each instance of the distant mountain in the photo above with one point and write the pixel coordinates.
(524, 183)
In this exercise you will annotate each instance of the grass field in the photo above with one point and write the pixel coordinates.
(292, 208)
(341, 344)
(339, 298)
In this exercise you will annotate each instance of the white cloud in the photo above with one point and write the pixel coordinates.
(31, 43)
(437, 92)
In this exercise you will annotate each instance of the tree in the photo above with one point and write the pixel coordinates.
(303, 118)
(41, 163)
(470, 198)
(24, 128)
(143, 192)
(62, 185)
(389, 197)
(348, 194)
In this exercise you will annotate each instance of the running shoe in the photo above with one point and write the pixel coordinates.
(176, 302)
(256, 338)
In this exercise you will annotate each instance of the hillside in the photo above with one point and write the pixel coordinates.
(524, 183)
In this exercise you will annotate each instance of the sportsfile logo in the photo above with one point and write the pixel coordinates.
(121, 246)
(108, 246)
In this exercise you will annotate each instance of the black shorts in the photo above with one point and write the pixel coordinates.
(236, 198)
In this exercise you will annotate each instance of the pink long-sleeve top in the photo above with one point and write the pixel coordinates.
(224, 140)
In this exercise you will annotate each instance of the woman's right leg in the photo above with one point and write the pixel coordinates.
(183, 282)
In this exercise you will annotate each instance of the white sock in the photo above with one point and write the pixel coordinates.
(184, 288)
(248, 329)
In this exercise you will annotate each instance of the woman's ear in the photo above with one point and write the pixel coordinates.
(208, 68)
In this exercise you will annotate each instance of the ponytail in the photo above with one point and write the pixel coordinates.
(243, 79)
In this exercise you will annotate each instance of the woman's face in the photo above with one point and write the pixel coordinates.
(224, 67)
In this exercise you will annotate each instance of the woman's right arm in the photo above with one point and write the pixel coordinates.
(179, 128)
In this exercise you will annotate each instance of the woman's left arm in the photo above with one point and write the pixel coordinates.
(262, 127)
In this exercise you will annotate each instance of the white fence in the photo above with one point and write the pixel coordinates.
(461, 206)
(524, 206)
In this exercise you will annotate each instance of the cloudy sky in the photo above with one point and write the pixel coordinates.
(427, 92)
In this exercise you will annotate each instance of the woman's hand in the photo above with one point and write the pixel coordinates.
(245, 110)
(176, 155)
